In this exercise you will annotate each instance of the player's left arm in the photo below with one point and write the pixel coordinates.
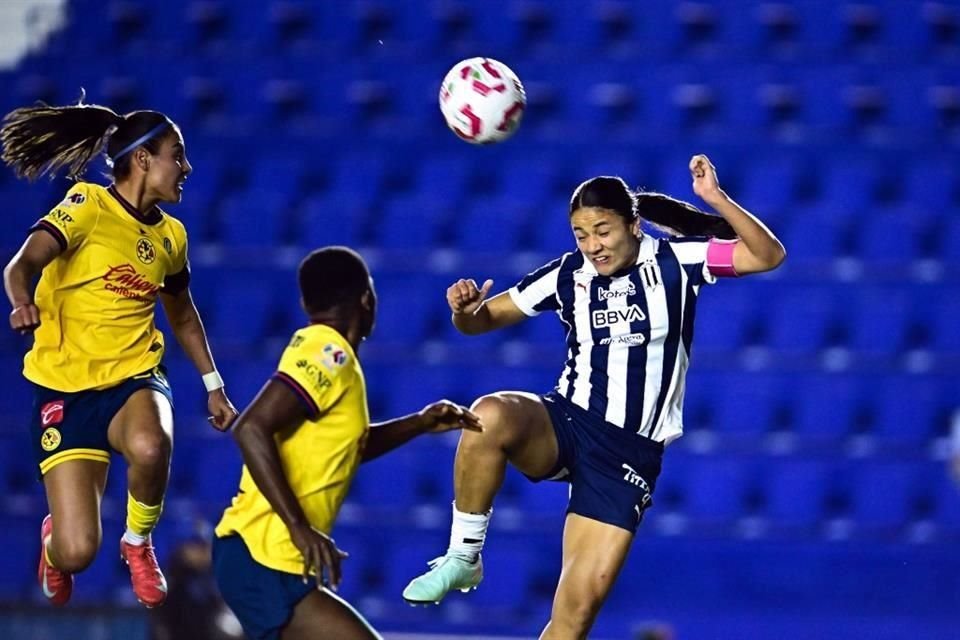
(758, 248)
(434, 418)
(188, 328)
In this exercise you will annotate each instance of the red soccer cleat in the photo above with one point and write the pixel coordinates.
(57, 585)
(148, 582)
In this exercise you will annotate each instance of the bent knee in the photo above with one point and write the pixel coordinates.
(76, 553)
(149, 450)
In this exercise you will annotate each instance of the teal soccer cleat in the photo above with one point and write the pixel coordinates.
(446, 574)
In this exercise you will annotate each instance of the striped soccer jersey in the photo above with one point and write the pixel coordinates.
(628, 335)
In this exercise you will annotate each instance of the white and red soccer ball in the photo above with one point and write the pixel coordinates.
(482, 100)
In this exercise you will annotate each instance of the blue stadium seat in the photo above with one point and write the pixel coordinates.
(890, 238)
(254, 218)
(241, 307)
(795, 491)
(747, 404)
(942, 318)
(715, 489)
(409, 308)
(389, 480)
(800, 318)
(878, 319)
(883, 494)
(828, 407)
(907, 410)
(18, 562)
(413, 223)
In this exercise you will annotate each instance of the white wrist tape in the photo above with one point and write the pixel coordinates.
(212, 381)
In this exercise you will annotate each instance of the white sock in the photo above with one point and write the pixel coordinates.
(468, 533)
(133, 538)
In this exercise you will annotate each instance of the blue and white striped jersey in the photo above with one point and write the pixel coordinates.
(628, 335)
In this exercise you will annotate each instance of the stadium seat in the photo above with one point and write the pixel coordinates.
(795, 490)
(828, 408)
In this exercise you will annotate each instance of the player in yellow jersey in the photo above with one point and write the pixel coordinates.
(302, 439)
(104, 256)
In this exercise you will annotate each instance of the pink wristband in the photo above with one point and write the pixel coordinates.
(720, 258)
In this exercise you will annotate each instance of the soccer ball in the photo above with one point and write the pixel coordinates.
(482, 100)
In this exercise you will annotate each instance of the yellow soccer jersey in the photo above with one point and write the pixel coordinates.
(97, 298)
(320, 456)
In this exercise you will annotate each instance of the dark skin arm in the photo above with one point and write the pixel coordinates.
(38, 250)
(276, 409)
(435, 418)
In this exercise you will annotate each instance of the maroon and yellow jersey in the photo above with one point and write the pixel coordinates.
(97, 298)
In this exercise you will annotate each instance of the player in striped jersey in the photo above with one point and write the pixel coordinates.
(626, 301)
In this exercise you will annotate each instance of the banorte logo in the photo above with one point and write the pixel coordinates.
(124, 280)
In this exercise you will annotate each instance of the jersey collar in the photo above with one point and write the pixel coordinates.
(151, 217)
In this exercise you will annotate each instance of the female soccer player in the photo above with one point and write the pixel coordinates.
(104, 254)
(626, 300)
(302, 439)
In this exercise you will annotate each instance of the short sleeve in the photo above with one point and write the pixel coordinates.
(537, 292)
(179, 278)
(72, 219)
(691, 252)
(318, 371)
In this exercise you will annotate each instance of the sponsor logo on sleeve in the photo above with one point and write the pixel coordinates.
(73, 200)
(60, 217)
(333, 357)
(318, 379)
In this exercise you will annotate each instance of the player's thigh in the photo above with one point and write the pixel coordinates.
(324, 615)
(521, 425)
(74, 489)
(593, 555)
(145, 420)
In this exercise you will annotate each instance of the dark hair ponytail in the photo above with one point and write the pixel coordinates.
(681, 218)
(668, 214)
(43, 139)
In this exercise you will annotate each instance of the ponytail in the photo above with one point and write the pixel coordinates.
(44, 139)
(680, 218)
(663, 212)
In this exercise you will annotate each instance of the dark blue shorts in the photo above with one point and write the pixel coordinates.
(73, 426)
(612, 472)
(262, 599)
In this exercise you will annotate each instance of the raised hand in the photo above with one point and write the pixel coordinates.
(705, 182)
(464, 297)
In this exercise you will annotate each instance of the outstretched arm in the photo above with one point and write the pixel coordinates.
(473, 314)
(758, 250)
(188, 328)
(436, 418)
(38, 250)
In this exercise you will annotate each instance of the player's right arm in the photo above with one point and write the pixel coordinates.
(37, 252)
(473, 313)
(278, 408)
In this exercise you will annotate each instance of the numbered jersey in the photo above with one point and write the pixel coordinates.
(97, 298)
(629, 335)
